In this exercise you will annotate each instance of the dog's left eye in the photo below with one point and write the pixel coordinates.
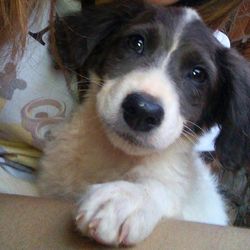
(198, 74)
(136, 43)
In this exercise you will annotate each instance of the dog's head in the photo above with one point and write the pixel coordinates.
(158, 74)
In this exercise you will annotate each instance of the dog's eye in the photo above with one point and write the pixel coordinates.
(198, 74)
(136, 43)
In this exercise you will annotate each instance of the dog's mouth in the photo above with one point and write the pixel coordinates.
(130, 139)
(126, 136)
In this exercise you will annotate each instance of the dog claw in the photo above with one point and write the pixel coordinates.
(123, 235)
(92, 231)
(79, 217)
(94, 224)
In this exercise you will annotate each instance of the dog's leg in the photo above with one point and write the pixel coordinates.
(126, 212)
(122, 212)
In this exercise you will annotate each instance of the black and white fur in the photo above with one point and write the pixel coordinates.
(146, 169)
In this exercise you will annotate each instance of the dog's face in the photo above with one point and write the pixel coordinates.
(154, 79)
(155, 73)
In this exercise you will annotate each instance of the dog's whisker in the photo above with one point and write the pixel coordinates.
(197, 126)
(190, 130)
(195, 138)
(191, 133)
(100, 84)
(78, 74)
(189, 139)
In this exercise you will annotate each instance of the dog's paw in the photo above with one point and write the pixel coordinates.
(117, 213)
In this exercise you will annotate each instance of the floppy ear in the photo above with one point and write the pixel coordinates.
(77, 35)
(233, 111)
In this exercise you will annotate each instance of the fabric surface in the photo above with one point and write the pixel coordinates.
(34, 97)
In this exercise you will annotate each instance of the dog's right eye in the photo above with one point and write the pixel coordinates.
(136, 43)
(198, 74)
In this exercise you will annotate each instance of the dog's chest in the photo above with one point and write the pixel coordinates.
(101, 164)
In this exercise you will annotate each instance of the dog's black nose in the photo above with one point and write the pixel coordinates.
(142, 112)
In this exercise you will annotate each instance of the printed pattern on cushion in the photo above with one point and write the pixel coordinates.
(34, 97)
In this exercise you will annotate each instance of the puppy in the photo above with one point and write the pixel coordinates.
(157, 79)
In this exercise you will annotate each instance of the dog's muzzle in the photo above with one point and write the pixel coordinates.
(142, 112)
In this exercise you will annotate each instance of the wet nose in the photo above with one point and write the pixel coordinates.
(142, 112)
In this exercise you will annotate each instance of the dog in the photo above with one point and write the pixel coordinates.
(157, 78)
